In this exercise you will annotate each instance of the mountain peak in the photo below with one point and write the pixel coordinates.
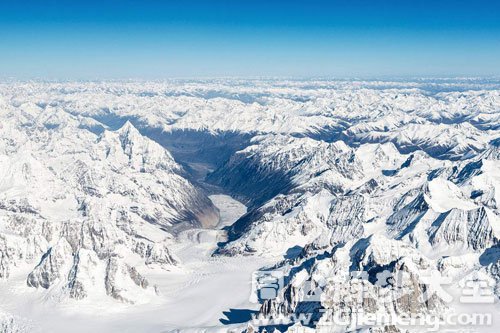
(128, 130)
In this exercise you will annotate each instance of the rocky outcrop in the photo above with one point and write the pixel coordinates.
(373, 276)
(471, 229)
(53, 266)
(12, 324)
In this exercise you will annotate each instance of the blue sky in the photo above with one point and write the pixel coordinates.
(190, 38)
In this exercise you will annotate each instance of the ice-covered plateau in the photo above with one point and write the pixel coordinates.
(105, 184)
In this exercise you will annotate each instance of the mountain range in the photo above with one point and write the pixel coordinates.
(107, 197)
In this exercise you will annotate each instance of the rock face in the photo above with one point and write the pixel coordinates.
(359, 278)
(471, 228)
(53, 267)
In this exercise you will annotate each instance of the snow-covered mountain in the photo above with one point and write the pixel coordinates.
(104, 197)
(415, 215)
(85, 209)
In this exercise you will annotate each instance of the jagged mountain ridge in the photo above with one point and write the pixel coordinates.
(444, 212)
(85, 209)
